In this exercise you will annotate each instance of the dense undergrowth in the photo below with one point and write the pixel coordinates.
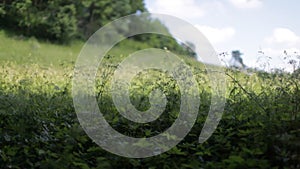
(39, 128)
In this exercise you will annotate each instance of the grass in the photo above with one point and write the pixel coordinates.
(20, 50)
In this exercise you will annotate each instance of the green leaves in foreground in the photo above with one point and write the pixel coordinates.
(39, 128)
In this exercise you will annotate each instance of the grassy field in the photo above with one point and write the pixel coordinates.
(260, 127)
(23, 50)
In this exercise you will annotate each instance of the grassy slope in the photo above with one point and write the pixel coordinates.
(20, 50)
(28, 51)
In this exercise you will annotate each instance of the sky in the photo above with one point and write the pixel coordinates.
(261, 29)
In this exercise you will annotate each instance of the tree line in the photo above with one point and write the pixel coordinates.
(65, 20)
(62, 20)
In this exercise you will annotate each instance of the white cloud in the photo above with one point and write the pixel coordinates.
(214, 7)
(247, 4)
(283, 35)
(187, 9)
(217, 35)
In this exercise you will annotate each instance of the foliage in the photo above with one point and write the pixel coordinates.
(60, 19)
(92, 14)
(63, 20)
(39, 128)
(53, 20)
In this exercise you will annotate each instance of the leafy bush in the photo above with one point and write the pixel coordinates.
(39, 128)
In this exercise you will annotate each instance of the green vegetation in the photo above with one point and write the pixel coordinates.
(21, 50)
(65, 20)
(39, 128)
(61, 20)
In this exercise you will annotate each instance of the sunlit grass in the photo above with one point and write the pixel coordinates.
(22, 50)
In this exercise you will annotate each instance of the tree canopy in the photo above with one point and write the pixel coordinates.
(64, 20)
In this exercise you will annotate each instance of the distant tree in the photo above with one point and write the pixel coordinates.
(236, 60)
(92, 14)
(155, 40)
(189, 49)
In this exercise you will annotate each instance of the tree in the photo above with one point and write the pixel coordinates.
(236, 59)
(61, 20)
(189, 49)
